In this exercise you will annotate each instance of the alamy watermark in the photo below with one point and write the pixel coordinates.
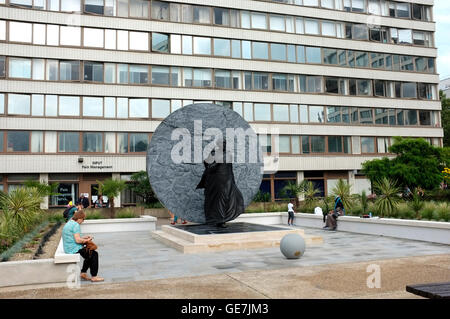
(374, 279)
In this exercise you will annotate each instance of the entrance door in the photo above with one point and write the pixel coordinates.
(89, 184)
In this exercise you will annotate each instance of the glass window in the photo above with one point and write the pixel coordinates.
(110, 142)
(37, 105)
(301, 57)
(278, 52)
(1, 149)
(2, 66)
(202, 78)
(38, 69)
(187, 44)
(139, 8)
(221, 16)
(237, 107)
(403, 10)
(139, 108)
(362, 59)
(93, 71)
(222, 79)
(52, 34)
(409, 90)
(367, 145)
(313, 55)
(317, 144)
(262, 112)
(279, 82)
(37, 142)
(379, 88)
(160, 42)
(111, 7)
(248, 111)
(291, 53)
(20, 32)
(366, 116)
(236, 49)
(51, 105)
(364, 87)
(110, 73)
(202, 14)
(138, 74)
(93, 37)
(314, 84)
(19, 104)
(70, 35)
(69, 106)
(260, 81)
(411, 117)
(160, 75)
(20, 68)
(312, 27)
(138, 142)
(405, 36)
(122, 107)
(334, 144)
(299, 26)
(259, 20)
(305, 145)
(122, 40)
(425, 117)
(333, 114)
(295, 141)
(360, 32)
(70, 5)
(160, 108)
(139, 41)
(377, 60)
(110, 107)
(175, 77)
(110, 39)
(329, 29)
(122, 142)
(281, 113)
(122, 73)
(202, 46)
(160, 10)
(92, 106)
(407, 63)
(330, 56)
(187, 12)
(284, 144)
(93, 142)
(260, 50)
(316, 114)
(18, 141)
(68, 142)
(246, 50)
(222, 47)
(277, 23)
(69, 71)
(175, 44)
(93, 6)
(382, 116)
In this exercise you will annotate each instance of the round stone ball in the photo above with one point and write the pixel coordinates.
(292, 246)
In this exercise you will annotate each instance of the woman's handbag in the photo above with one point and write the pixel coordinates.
(90, 246)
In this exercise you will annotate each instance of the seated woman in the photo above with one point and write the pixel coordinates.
(331, 219)
(73, 244)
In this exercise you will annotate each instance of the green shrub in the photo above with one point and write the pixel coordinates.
(127, 213)
(93, 214)
(427, 211)
(442, 211)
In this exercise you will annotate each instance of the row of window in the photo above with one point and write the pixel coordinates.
(144, 108)
(191, 45)
(220, 16)
(385, 8)
(51, 34)
(73, 142)
(112, 73)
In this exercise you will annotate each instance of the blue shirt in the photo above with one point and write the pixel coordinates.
(72, 211)
(69, 243)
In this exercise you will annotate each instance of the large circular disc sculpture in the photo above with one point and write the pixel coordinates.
(176, 154)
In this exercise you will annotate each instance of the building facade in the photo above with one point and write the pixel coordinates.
(84, 83)
(445, 87)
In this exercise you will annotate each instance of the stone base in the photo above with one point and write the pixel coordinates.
(188, 242)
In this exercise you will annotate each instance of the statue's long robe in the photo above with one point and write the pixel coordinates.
(223, 200)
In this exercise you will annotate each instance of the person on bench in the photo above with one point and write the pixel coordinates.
(74, 244)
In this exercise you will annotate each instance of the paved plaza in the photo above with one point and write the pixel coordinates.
(137, 256)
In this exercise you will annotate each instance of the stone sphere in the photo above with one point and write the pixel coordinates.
(174, 183)
(292, 246)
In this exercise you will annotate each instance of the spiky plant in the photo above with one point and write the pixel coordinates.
(364, 202)
(388, 199)
(293, 189)
(416, 204)
(343, 190)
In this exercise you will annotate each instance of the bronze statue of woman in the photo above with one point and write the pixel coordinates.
(223, 200)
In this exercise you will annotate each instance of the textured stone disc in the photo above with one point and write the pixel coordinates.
(175, 184)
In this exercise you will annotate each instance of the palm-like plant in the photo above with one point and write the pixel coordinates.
(310, 193)
(111, 188)
(416, 204)
(21, 207)
(389, 199)
(364, 202)
(293, 189)
(343, 190)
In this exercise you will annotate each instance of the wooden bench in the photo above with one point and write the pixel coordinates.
(433, 291)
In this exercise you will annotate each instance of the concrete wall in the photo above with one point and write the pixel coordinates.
(145, 223)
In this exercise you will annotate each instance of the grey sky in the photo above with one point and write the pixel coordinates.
(442, 18)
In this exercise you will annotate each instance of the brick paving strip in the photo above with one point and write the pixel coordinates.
(346, 280)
